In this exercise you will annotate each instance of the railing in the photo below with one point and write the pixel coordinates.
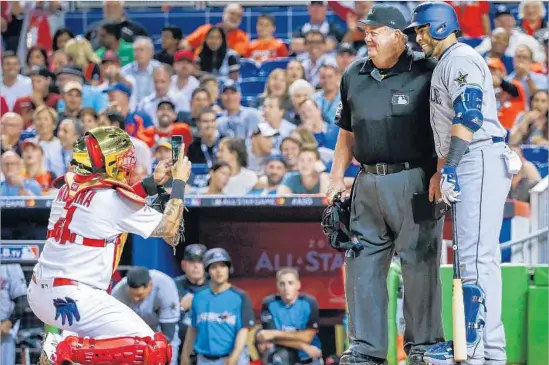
(539, 209)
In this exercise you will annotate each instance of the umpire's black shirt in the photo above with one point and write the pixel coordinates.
(388, 110)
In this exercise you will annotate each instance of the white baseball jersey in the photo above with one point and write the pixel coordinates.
(458, 67)
(161, 306)
(94, 214)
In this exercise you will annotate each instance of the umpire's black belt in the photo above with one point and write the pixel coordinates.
(214, 357)
(386, 168)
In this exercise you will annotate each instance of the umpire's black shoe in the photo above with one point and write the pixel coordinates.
(354, 358)
(415, 356)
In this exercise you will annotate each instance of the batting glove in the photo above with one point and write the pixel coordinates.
(449, 186)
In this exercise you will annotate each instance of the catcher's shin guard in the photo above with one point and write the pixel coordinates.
(114, 351)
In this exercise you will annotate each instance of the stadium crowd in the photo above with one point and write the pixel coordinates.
(257, 116)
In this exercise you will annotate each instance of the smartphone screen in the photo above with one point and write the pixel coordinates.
(177, 142)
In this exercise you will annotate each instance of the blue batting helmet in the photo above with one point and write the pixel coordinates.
(440, 16)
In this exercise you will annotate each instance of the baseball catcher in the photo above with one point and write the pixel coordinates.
(90, 218)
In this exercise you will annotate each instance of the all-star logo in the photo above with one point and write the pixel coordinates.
(461, 79)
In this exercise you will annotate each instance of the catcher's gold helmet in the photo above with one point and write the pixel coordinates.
(105, 150)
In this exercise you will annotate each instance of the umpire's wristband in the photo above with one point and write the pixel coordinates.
(149, 185)
(178, 190)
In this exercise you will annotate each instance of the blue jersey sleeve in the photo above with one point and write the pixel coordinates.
(247, 313)
(267, 319)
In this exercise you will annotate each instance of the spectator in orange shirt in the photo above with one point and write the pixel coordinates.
(236, 38)
(167, 126)
(532, 15)
(510, 96)
(266, 46)
(469, 13)
(33, 161)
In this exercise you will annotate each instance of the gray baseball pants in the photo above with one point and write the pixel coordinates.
(382, 218)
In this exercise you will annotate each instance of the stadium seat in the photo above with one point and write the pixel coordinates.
(252, 87)
(473, 42)
(199, 175)
(268, 66)
(248, 68)
(538, 155)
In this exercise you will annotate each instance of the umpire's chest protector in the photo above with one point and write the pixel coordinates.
(389, 109)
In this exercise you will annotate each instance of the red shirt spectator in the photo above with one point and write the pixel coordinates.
(469, 13)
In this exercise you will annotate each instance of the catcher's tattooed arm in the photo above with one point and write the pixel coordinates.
(168, 228)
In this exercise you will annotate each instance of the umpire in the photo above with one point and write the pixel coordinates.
(384, 124)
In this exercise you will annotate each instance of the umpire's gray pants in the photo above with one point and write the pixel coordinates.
(381, 217)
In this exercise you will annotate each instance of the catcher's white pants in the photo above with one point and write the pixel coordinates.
(101, 315)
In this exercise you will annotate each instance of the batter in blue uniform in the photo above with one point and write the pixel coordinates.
(475, 170)
(13, 301)
(221, 316)
(290, 319)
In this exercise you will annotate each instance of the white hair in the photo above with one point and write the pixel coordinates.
(299, 85)
(145, 41)
(539, 3)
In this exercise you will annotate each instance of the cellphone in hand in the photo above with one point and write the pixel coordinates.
(177, 143)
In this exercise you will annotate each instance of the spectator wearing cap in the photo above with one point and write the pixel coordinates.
(14, 184)
(345, 55)
(532, 16)
(119, 98)
(70, 129)
(142, 68)
(110, 39)
(523, 63)
(328, 98)
(307, 180)
(236, 120)
(11, 126)
(200, 100)
(218, 178)
(91, 97)
(500, 42)
(72, 96)
(203, 149)
(113, 12)
(236, 39)
(14, 85)
(162, 150)
(167, 125)
(183, 82)
(510, 96)
(142, 151)
(473, 17)
(193, 281)
(289, 149)
(242, 180)
(170, 38)
(261, 147)
(273, 112)
(162, 78)
(33, 162)
(275, 170)
(217, 58)
(505, 19)
(45, 122)
(111, 73)
(266, 46)
(318, 22)
(355, 36)
(41, 80)
(316, 56)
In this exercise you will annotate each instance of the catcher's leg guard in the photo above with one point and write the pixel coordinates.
(474, 302)
(114, 351)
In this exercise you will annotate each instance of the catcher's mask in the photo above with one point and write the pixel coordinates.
(336, 219)
(105, 150)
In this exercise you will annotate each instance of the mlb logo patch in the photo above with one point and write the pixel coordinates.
(400, 99)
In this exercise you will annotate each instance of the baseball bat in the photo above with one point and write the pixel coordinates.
(458, 308)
